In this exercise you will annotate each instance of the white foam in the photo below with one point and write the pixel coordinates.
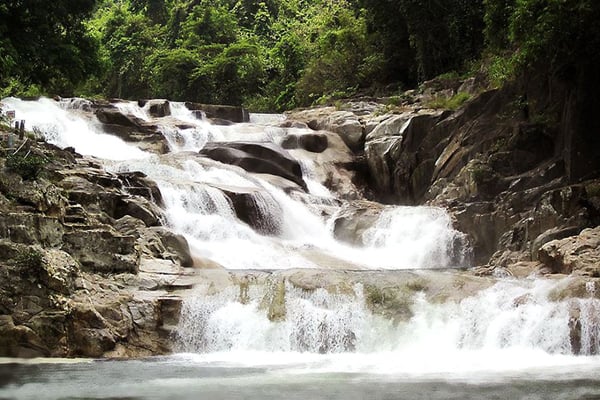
(512, 326)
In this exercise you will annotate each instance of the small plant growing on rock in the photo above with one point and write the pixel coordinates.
(450, 103)
(29, 262)
(28, 166)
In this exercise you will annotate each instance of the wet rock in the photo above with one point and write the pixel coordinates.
(156, 107)
(257, 157)
(136, 183)
(132, 129)
(313, 142)
(113, 116)
(229, 113)
(256, 208)
(354, 219)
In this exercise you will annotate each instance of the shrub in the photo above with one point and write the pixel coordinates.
(28, 260)
(28, 166)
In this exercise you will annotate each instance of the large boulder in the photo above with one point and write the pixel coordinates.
(400, 158)
(345, 123)
(157, 108)
(222, 112)
(258, 157)
(257, 208)
(132, 129)
(113, 116)
(579, 255)
(313, 142)
(354, 220)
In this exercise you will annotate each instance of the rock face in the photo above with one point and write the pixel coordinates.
(502, 164)
(74, 255)
(344, 123)
(579, 255)
(400, 157)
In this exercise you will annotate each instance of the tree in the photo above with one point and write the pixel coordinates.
(46, 43)
(129, 40)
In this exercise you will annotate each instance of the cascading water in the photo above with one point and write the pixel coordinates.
(67, 127)
(513, 325)
(420, 238)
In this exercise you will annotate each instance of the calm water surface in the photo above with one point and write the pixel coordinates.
(184, 377)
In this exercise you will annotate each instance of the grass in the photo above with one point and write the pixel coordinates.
(449, 103)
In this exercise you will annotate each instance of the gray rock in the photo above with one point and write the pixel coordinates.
(265, 158)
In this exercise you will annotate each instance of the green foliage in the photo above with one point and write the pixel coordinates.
(29, 166)
(231, 75)
(592, 189)
(497, 18)
(28, 261)
(449, 103)
(208, 24)
(337, 43)
(170, 72)
(128, 41)
(279, 54)
(45, 43)
(561, 35)
(500, 69)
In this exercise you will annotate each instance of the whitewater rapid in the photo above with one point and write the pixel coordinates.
(402, 237)
(511, 327)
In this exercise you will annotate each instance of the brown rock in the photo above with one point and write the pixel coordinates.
(103, 250)
(579, 254)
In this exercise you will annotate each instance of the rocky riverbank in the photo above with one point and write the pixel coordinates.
(512, 171)
(89, 270)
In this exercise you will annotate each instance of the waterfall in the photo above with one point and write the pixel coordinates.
(243, 221)
(311, 322)
(66, 127)
(510, 319)
(288, 232)
(423, 235)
